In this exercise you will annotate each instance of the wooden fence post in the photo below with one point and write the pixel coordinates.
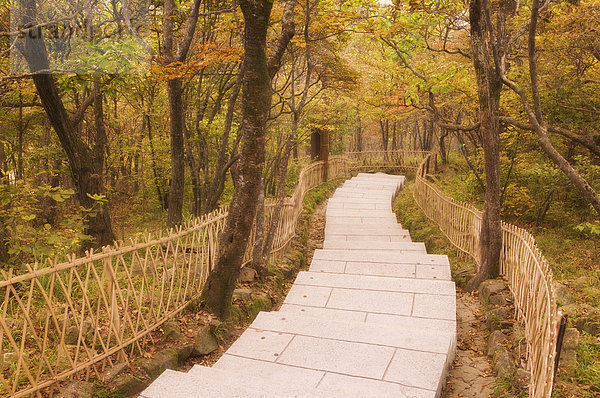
(325, 152)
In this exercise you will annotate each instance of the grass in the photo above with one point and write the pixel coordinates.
(573, 259)
(424, 230)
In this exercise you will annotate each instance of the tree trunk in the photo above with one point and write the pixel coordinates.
(489, 86)
(258, 261)
(175, 211)
(256, 102)
(86, 176)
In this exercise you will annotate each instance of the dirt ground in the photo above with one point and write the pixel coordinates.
(471, 374)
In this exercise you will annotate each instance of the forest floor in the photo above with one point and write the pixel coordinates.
(471, 374)
(574, 260)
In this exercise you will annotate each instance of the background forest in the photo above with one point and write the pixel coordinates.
(141, 150)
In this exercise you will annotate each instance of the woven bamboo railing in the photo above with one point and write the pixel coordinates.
(521, 264)
(75, 318)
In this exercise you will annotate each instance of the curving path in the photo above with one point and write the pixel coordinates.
(375, 316)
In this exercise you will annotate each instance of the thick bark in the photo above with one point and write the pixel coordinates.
(258, 262)
(489, 86)
(174, 214)
(256, 102)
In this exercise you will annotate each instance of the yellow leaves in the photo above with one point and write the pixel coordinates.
(205, 55)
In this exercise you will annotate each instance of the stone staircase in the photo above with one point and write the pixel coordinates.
(374, 316)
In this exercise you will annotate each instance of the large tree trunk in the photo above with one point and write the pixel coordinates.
(256, 102)
(489, 86)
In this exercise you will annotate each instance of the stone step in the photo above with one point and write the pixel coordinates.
(372, 185)
(384, 176)
(361, 194)
(396, 321)
(343, 220)
(332, 212)
(417, 247)
(432, 306)
(381, 256)
(378, 283)
(396, 270)
(360, 205)
(368, 238)
(357, 230)
(214, 382)
(333, 383)
(412, 358)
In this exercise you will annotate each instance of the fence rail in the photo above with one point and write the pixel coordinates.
(521, 263)
(74, 318)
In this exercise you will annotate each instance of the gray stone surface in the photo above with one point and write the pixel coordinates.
(368, 282)
(417, 247)
(354, 359)
(359, 332)
(417, 369)
(382, 256)
(374, 317)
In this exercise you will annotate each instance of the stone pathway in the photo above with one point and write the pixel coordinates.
(375, 316)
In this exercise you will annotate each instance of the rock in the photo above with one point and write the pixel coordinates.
(72, 335)
(247, 274)
(77, 389)
(490, 287)
(521, 379)
(127, 385)
(205, 342)
(111, 373)
(504, 364)
(215, 324)
(585, 317)
(496, 342)
(501, 298)
(498, 318)
(171, 331)
(568, 352)
(581, 282)
(184, 352)
(260, 302)
(563, 294)
(243, 294)
(518, 334)
(167, 359)
(7, 360)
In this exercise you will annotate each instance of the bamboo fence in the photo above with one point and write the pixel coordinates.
(521, 264)
(75, 318)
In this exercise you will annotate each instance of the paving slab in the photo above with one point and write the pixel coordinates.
(222, 384)
(418, 369)
(418, 247)
(368, 238)
(350, 386)
(381, 256)
(354, 359)
(378, 283)
(335, 384)
(359, 213)
(387, 229)
(358, 332)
